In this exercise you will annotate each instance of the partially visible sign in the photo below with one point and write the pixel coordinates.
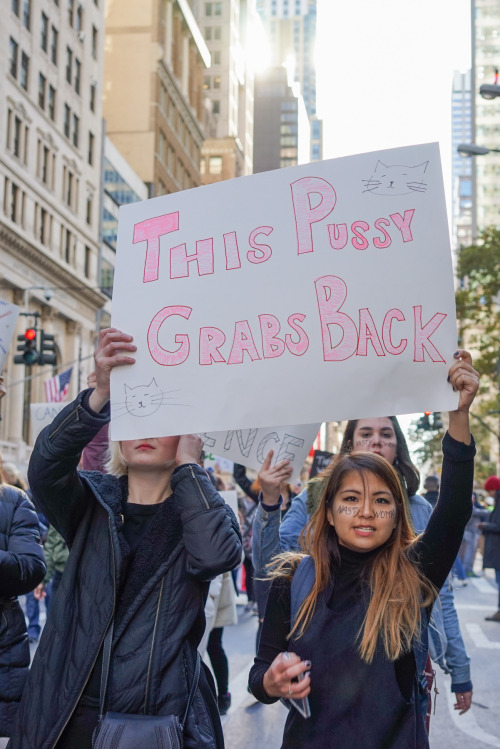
(321, 460)
(230, 497)
(8, 319)
(251, 446)
(42, 414)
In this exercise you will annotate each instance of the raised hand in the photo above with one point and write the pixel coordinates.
(111, 351)
(189, 449)
(465, 379)
(270, 478)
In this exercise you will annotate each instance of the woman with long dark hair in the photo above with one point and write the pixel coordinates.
(351, 648)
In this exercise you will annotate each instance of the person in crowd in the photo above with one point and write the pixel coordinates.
(491, 530)
(431, 493)
(145, 539)
(56, 556)
(22, 566)
(383, 436)
(471, 536)
(351, 648)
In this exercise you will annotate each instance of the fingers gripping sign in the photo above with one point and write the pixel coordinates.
(464, 378)
(271, 477)
(288, 676)
(113, 349)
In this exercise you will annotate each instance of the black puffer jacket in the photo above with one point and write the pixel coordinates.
(157, 598)
(22, 567)
(491, 530)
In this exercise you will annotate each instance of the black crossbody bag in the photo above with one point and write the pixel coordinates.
(129, 731)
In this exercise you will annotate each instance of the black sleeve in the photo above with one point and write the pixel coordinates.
(273, 637)
(438, 546)
(241, 478)
(22, 563)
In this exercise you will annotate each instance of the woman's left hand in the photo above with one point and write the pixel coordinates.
(464, 701)
(464, 378)
(189, 449)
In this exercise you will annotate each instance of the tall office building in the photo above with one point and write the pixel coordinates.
(486, 113)
(291, 30)
(50, 169)
(227, 27)
(461, 132)
(155, 60)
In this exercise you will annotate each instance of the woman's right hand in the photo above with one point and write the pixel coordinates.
(278, 677)
(111, 351)
(270, 478)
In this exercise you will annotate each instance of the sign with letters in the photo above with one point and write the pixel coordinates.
(42, 414)
(314, 293)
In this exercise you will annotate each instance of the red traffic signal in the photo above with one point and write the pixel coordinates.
(30, 334)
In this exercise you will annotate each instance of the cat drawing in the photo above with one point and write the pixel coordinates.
(396, 179)
(144, 400)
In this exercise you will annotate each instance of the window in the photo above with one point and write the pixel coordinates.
(14, 203)
(217, 33)
(14, 6)
(25, 67)
(43, 226)
(208, 9)
(52, 103)
(217, 58)
(67, 246)
(215, 165)
(27, 13)
(208, 33)
(13, 50)
(44, 174)
(79, 18)
(44, 32)
(71, 11)
(76, 130)
(91, 148)
(42, 85)
(206, 82)
(53, 45)
(217, 81)
(88, 215)
(217, 9)
(78, 73)
(216, 107)
(16, 146)
(69, 64)
(93, 89)
(106, 278)
(67, 117)
(86, 261)
(162, 146)
(69, 189)
(94, 42)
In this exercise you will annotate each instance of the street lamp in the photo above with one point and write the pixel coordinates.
(471, 149)
(489, 90)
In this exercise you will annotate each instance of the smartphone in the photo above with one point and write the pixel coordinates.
(301, 705)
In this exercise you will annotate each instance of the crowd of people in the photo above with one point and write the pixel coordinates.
(134, 554)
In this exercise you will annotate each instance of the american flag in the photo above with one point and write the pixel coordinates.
(56, 389)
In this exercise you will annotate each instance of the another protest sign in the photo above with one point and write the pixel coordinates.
(42, 414)
(321, 460)
(8, 319)
(320, 292)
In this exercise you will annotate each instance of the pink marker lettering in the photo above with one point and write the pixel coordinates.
(368, 332)
(242, 341)
(161, 355)
(423, 334)
(393, 314)
(232, 253)
(211, 339)
(338, 236)
(264, 250)
(297, 348)
(386, 241)
(272, 346)
(403, 224)
(204, 257)
(305, 213)
(359, 242)
(150, 231)
(331, 293)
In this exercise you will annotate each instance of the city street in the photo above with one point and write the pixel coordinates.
(250, 725)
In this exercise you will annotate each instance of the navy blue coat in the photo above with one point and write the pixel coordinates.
(22, 567)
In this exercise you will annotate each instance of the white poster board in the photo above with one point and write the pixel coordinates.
(251, 446)
(8, 319)
(42, 414)
(320, 292)
(230, 497)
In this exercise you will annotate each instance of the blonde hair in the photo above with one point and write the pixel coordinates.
(115, 462)
(398, 590)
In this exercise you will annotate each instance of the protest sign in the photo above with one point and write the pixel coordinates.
(321, 460)
(320, 292)
(251, 446)
(8, 319)
(230, 497)
(42, 414)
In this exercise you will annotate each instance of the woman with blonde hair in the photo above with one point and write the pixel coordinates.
(350, 648)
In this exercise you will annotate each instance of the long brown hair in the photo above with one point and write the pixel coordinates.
(398, 590)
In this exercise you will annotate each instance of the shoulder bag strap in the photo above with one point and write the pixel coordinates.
(106, 657)
(194, 686)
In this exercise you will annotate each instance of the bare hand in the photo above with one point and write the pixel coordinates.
(92, 380)
(39, 592)
(278, 677)
(189, 449)
(464, 701)
(464, 378)
(111, 351)
(271, 477)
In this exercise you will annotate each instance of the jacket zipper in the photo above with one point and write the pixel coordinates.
(146, 695)
(65, 421)
(195, 479)
(100, 647)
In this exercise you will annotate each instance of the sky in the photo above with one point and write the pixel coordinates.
(385, 70)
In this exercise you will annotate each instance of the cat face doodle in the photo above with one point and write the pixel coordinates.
(143, 400)
(396, 179)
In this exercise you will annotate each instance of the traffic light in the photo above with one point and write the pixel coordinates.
(437, 422)
(424, 424)
(28, 348)
(47, 349)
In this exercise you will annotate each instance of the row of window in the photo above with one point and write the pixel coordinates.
(178, 124)
(211, 165)
(213, 9)
(23, 11)
(15, 201)
(213, 33)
